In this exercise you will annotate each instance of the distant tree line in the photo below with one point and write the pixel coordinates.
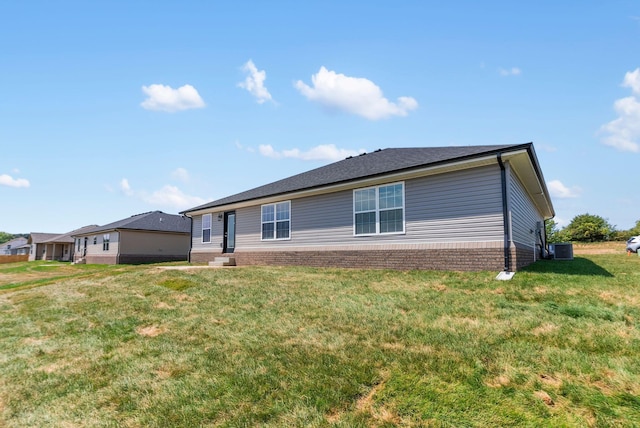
(588, 228)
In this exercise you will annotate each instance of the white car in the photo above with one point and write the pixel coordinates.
(633, 244)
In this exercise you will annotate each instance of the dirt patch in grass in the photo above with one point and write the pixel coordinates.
(163, 305)
(545, 397)
(150, 331)
(33, 341)
(544, 329)
(499, 381)
(183, 298)
(401, 347)
(550, 380)
(367, 404)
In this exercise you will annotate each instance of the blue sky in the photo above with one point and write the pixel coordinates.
(109, 109)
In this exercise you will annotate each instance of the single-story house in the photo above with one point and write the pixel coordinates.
(143, 238)
(14, 247)
(53, 246)
(454, 208)
(38, 248)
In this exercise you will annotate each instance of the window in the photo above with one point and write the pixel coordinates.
(95, 240)
(206, 228)
(379, 210)
(105, 242)
(78, 240)
(276, 221)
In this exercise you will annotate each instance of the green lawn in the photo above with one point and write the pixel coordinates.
(558, 345)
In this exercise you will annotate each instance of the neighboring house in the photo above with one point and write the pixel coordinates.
(53, 246)
(143, 238)
(454, 208)
(14, 247)
(37, 246)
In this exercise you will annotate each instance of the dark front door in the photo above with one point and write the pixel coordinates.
(229, 243)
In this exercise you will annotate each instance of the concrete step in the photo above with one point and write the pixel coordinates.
(223, 261)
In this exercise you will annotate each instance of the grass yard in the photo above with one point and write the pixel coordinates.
(106, 346)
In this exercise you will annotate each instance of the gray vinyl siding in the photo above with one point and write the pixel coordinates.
(462, 206)
(96, 250)
(216, 234)
(524, 215)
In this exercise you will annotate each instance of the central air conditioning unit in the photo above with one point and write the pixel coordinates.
(563, 251)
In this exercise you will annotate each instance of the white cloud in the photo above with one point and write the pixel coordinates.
(624, 131)
(632, 80)
(323, 152)
(168, 196)
(254, 82)
(125, 187)
(180, 174)
(513, 71)
(560, 191)
(355, 95)
(171, 196)
(165, 98)
(268, 151)
(7, 180)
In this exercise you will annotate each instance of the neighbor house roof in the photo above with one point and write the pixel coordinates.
(377, 163)
(38, 237)
(15, 241)
(66, 238)
(156, 221)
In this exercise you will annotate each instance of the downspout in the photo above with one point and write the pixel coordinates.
(119, 245)
(190, 238)
(505, 215)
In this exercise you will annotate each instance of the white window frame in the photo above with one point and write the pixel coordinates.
(209, 216)
(275, 221)
(105, 241)
(377, 210)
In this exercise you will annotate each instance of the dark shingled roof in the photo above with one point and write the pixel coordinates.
(156, 221)
(67, 237)
(367, 165)
(38, 237)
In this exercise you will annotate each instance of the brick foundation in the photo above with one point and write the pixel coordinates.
(135, 260)
(474, 259)
(101, 260)
(132, 259)
(522, 256)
